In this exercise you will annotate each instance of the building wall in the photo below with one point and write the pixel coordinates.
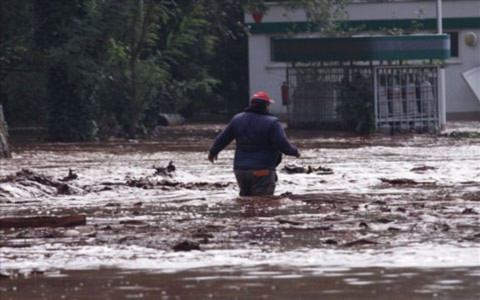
(268, 76)
(460, 98)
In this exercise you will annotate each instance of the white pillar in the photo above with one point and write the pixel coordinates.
(442, 103)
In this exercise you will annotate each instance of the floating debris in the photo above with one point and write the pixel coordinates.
(423, 169)
(330, 242)
(133, 222)
(399, 181)
(71, 176)
(296, 169)
(25, 177)
(283, 221)
(22, 222)
(186, 246)
(165, 171)
(384, 220)
(462, 134)
(360, 242)
(469, 211)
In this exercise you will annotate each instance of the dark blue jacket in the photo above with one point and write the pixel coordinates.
(260, 140)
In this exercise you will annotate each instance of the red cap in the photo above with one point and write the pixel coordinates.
(262, 96)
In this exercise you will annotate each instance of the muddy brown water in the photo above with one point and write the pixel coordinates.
(397, 217)
(253, 283)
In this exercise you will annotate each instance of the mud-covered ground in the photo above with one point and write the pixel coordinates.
(355, 217)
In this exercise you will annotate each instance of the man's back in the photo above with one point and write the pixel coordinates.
(254, 148)
(260, 142)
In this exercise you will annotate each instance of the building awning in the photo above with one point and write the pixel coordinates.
(364, 48)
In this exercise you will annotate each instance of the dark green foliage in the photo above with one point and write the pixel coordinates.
(70, 113)
(356, 107)
(66, 38)
(95, 68)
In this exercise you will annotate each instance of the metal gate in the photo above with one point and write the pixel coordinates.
(315, 93)
(402, 98)
(406, 98)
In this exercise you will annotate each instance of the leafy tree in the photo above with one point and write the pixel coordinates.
(356, 106)
(64, 38)
(22, 80)
(115, 65)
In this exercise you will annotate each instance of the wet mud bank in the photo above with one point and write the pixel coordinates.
(159, 206)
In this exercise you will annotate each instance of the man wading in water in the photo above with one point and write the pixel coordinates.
(260, 142)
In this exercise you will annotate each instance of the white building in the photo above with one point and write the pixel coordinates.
(461, 19)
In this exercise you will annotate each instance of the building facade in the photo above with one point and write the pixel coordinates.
(461, 19)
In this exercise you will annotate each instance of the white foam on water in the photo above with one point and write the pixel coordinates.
(57, 256)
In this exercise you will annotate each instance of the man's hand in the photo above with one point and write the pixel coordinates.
(298, 154)
(212, 158)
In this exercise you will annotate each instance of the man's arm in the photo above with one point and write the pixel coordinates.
(280, 141)
(223, 139)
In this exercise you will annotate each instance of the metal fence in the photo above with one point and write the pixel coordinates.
(406, 98)
(402, 98)
(314, 93)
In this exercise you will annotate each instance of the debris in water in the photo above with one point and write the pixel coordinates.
(445, 227)
(25, 175)
(165, 182)
(142, 183)
(474, 196)
(133, 222)
(296, 169)
(399, 181)
(146, 183)
(469, 211)
(186, 246)
(165, 171)
(363, 225)
(323, 171)
(384, 220)
(360, 242)
(462, 135)
(393, 229)
(71, 176)
(65, 221)
(330, 242)
(423, 169)
(64, 189)
(283, 221)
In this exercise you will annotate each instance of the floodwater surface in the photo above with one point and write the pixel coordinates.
(355, 217)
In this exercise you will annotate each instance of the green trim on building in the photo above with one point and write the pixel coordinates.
(425, 24)
(361, 48)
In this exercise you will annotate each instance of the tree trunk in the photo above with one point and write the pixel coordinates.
(133, 100)
(4, 153)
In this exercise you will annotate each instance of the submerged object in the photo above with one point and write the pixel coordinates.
(171, 119)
